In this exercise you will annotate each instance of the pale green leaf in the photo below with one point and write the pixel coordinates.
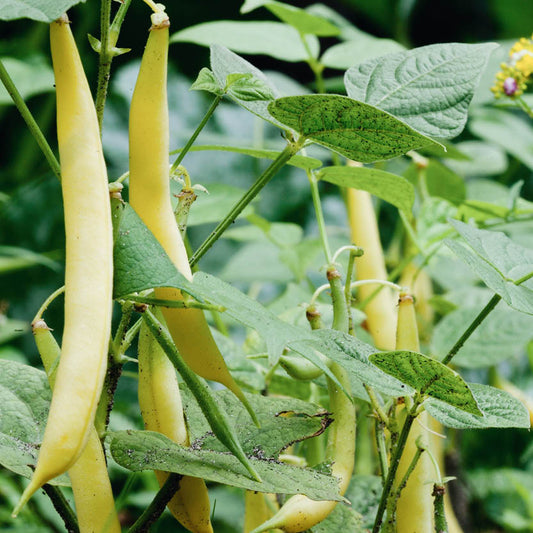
(249, 88)
(206, 81)
(24, 403)
(502, 335)
(364, 493)
(499, 262)
(147, 450)
(31, 76)
(270, 38)
(499, 408)
(385, 185)
(41, 10)
(11, 328)
(344, 55)
(484, 159)
(298, 161)
(508, 130)
(429, 87)
(428, 376)
(356, 130)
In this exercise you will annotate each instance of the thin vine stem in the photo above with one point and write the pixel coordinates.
(104, 61)
(30, 121)
(190, 142)
(61, 505)
(493, 302)
(313, 182)
(157, 505)
(291, 149)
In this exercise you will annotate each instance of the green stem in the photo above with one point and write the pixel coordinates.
(341, 320)
(395, 462)
(381, 444)
(157, 505)
(197, 131)
(62, 507)
(441, 525)
(181, 304)
(114, 29)
(374, 401)
(411, 232)
(104, 61)
(30, 121)
(290, 150)
(493, 302)
(313, 182)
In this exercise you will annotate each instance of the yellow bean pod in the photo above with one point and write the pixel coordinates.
(162, 411)
(89, 267)
(414, 513)
(93, 496)
(150, 197)
(380, 312)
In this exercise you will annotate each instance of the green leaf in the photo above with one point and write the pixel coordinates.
(356, 130)
(510, 131)
(364, 493)
(499, 408)
(498, 261)
(31, 76)
(249, 88)
(24, 403)
(15, 258)
(11, 328)
(284, 421)
(343, 517)
(298, 161)
(40, 10)
(206, 81)
(225, 63)
(484, 159)
(429, 87)
(146, 450)
(428, 376)
(365, 47)
(139, 260)
(275, 39)
(385, 185)
(504, 334)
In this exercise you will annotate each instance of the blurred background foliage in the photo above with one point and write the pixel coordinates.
(497, 486)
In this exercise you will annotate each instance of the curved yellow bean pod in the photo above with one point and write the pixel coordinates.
(162, 411)
(93, 496)
(414, 513)
(150, 197)
(89, 267)
(380, 312)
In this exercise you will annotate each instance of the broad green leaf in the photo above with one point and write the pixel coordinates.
(364, 493)
(24, 402)
(249, 88)
(14, 258)
(213, 206)
(484, 159)
(284, 421)
(282, 234)
(355, 130)
(508, 130)
(270, 38)
(432, 222)
(428, 376)
(31, 76)
(147, 450)
(206, 81)
(429, 87)
(342, 56)
(385, 185)
(225, 63)
(342, 518)
(139, 260)
(504, 334)
(499, 408)
(41, 10)
(298, 161)
(499, 262)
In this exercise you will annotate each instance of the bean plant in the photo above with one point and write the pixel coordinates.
(322, 291)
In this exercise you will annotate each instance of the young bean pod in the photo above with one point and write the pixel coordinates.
(162, 411)
(89, 268)
(150, 197)
(93, 496)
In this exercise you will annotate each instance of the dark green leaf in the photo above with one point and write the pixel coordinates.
(364, 493)
(31, 76)
(500, 410)
(41, 10)
(389, 187)
(499, 262)
(429, 87)
(146, 450)
(271, 38)
(428, 376)
(356, 130)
